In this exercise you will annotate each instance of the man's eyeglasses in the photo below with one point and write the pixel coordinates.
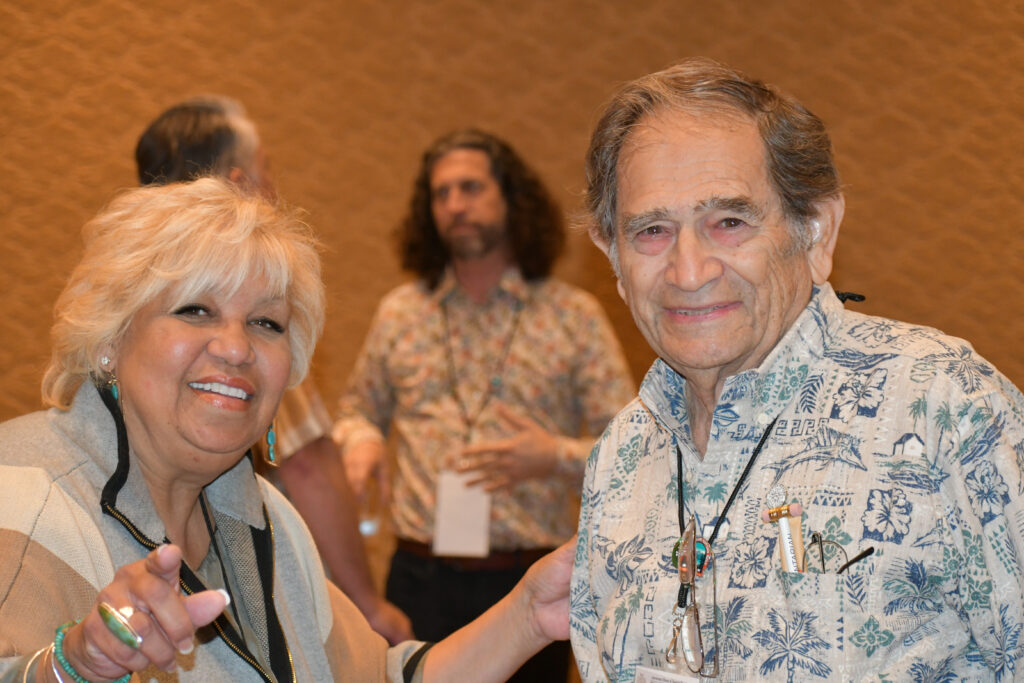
(823, 556)
(694, 557)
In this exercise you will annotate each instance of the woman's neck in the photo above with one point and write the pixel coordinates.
(177, 504)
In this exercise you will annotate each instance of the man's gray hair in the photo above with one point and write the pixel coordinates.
(798, 149)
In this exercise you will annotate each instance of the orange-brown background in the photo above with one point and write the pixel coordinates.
(923, 98)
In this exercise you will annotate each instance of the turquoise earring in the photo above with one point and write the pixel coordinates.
(271, 442)
(112, 382)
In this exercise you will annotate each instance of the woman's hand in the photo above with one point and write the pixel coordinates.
(164, 618)
(547, 582)
(494, 645)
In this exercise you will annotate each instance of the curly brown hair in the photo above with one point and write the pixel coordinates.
(536, 227)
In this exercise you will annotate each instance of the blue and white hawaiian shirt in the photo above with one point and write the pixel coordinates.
(891, 436)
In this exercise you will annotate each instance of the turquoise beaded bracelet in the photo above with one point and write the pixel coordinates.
(58, 652)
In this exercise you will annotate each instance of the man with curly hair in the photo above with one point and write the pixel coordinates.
(486, 367)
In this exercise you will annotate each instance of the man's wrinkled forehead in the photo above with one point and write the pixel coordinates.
(661, 126)
(653, 128)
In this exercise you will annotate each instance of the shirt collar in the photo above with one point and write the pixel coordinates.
(511, 284)
(759, 394)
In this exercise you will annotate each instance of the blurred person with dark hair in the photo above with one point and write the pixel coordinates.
(211, 135)
(208, 135)
(484, 366)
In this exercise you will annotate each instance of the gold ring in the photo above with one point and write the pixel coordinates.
(117, 622)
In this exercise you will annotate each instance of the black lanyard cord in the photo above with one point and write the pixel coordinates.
(683, 588)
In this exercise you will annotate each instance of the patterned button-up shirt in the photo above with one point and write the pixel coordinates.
(891, 436)
(542, 349)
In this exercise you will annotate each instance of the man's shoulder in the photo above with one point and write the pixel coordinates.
(865, 333)
(867, 341)
(405, 295)
(404, 304)
(634, 417)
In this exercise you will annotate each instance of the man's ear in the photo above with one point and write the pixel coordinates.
(824, 233)
(599, 239)
(238, 177)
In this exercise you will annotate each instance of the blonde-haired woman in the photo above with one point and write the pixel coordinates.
(139, 544)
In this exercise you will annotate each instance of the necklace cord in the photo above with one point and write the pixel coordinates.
(684, 588)
(211, 529)
(467, 420)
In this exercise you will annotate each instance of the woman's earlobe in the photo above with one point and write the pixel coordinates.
(106, 359)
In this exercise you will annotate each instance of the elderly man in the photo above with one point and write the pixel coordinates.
(486, 366)
(798, 491)
(213, 136)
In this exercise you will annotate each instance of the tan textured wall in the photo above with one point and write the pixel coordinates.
(924, 100)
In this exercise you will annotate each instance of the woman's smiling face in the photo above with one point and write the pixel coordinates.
(200, 382)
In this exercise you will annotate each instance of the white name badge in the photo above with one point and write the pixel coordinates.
(646, 674)
(462, 518)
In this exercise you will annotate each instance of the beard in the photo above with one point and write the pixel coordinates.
(473, 240)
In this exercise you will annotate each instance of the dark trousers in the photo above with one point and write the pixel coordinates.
(440, 599)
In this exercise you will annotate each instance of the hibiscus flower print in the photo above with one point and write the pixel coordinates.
(752, 562)
(887, 517)
(988, 491)
(859, 395)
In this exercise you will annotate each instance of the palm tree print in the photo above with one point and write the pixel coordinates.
(716, 492)
(1009, 645)
(918, 409)
(963, 365)
(918, 592)
(734, 628)
(628, 609)
(921, 672)
(795, 645)
(946, 423)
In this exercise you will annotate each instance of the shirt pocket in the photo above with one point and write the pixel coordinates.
(817, 616)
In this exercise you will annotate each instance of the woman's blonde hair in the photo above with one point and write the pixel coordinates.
(199, 237)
